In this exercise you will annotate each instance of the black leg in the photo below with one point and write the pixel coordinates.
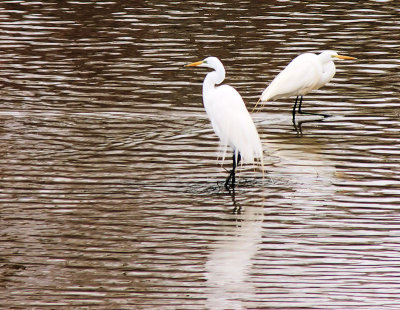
(308, 113)
(231, 176)
(297, 127)
(230, 173)
(294, 108)
(234, 169)
(301, 101)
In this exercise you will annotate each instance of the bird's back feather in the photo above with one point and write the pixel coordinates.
(232, 122)
(299, 77)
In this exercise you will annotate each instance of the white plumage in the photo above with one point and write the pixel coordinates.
(228, 115)
(303, 74)
(232, 122)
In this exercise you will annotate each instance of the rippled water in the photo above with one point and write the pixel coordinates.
(111, 189)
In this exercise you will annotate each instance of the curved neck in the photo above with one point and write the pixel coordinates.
(213, 78)
(328, 71)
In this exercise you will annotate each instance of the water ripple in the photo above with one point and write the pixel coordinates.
(112, 190)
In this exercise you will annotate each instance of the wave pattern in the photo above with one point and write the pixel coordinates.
(111, 190)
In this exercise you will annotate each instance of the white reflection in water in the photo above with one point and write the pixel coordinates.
(306, 172)
(298, 164)
(230, 262)
(309, 176)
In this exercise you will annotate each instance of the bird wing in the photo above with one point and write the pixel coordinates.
(233, 124)
(299, 77)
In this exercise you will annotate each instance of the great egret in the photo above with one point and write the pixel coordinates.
(303, 74)
(229, 117)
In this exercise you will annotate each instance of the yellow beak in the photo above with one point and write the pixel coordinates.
(194, 64)
(344, 57)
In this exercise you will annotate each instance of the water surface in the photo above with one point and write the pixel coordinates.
(111, 190)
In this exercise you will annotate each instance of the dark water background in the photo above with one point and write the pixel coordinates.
(110, 192)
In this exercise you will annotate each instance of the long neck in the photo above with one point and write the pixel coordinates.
(328, 71)
(213, 78)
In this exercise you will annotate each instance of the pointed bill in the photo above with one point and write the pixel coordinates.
(194, 64)
(344, 57)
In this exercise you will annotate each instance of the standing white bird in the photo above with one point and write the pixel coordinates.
(229, 117)
(303, 74)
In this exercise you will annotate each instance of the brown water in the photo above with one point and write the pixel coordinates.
(111, 191)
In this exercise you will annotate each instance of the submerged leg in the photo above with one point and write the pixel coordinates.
(231, 176)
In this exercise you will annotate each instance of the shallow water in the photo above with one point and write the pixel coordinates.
(111, 190)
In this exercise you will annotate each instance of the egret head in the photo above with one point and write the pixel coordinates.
(209, 62)
(333, 55)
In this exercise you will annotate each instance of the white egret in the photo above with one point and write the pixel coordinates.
(303, 74)
(229, 117)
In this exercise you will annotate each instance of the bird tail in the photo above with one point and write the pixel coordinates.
(265, 96)
(256, 105)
